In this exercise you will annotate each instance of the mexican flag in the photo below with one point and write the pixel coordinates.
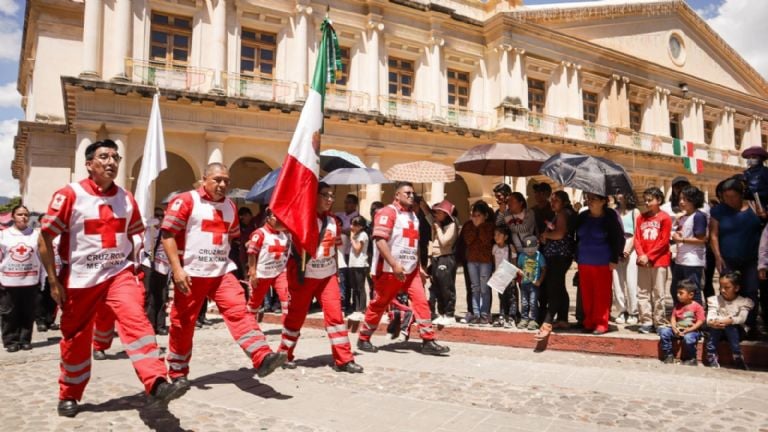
(686, 149)
(294, 200)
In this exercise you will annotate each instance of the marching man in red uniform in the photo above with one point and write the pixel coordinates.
(197, 230)
(268, 251)
(319, 281)
(396, 269)
(96, 220)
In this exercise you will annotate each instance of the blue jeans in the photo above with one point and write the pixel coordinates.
(688, 340)
(479, 273)
(528, 306)
(730, 332)
(694, 274)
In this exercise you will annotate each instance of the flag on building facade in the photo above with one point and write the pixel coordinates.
(686, 150)
(152, 162)
(294, 200)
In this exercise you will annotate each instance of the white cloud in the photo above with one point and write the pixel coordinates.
(8, 185)
(9, 7)
(10, 39)
(9, 96)
(741, 23)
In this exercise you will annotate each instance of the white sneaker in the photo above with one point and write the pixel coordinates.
(620, 319)
(631, 320)
(438, 320)
(448, 321)
(385, 319)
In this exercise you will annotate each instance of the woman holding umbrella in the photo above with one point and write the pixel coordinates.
(600, 243)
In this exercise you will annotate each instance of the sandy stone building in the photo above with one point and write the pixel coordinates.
(423, 80)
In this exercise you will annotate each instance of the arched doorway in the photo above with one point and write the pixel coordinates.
(244, 173)
(179, 176)
(457, 192)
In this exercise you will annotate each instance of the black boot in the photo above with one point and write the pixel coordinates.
(433, 348)
(164, 392)
(67, 408)
(350, 367)
(271, 362)
(366, 346)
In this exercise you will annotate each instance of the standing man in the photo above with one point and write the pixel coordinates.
(396, 269)
(197, 229)
(319, 280)
(156, 268)
(351, 204)
(96, 220)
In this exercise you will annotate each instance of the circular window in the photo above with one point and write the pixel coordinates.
(677, 48)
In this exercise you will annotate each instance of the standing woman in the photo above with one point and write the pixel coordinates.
(442, 264)
(625, 274)
(19, 280)
(600, 242)
(477, 234)
(558, 249)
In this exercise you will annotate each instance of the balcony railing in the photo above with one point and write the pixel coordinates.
(346, 100)
(406, 109)
(170, 76)
(260, 88)
(465, 118)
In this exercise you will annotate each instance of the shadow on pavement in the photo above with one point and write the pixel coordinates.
(401, 347)
(48, 342)
(159, 419)
(325, 360)
(244, 379)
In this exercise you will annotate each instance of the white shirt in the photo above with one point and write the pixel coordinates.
(359, 260)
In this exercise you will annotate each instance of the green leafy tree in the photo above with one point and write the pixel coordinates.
(10, 204)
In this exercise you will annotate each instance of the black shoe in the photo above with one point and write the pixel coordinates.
(67, 408)
(99, 355)
(53, 326)
(690, 362)
(162, 332)
(350, 367)
(26, 346)
(738, 363)
(366, 346)
(207, 322)
(164, 392)
(289, 364)
(182, 382)
(271, 362)
(42, 328)
(198, 324)
(12, 348)
(670, 359)
(433, 348)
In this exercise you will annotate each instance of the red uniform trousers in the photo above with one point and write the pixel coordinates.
(123, 295)
(103, 329)
(228, 295)
(300, 297)
(387, 286)
(595, 285)
(279, 283)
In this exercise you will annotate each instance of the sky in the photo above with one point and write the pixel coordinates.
(739, 22)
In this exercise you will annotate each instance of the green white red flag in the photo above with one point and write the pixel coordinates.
(686, 150)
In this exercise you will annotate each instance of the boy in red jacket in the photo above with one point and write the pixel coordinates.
(654, 228)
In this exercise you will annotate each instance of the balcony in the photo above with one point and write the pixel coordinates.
(259, 88)
(170, 76)
(406, 109)
(341, 99)
(465, 118)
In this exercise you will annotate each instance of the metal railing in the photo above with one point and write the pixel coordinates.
(170, 76)
(260, 88)
(346, 100)
(466, 118)
(406, 109)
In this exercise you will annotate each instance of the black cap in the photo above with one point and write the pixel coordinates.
(680, 179)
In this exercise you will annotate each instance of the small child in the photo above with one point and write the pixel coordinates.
(358, 267)
(532, 269)
(686, 320)
(503, 250)
(726, 313)
(268, 250)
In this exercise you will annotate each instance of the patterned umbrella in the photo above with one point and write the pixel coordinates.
(355, 176)
(421, 172)
(331, 160)
(502, 159)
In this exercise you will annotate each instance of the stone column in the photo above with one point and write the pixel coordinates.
(519, 78)
(122, 39)
(753, 133)
(372, 192)
(86, 135)
(623, 102)
(575, 99)
(92, 33)
(120, 136)
(693, 121)
(371, 46)
(663, 119)
(437, 192)
(300, 54)
(505, 79)
(438, 92)
(556, 103)
(214, 149)
(219, 46)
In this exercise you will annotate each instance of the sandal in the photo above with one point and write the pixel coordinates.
(544, 331)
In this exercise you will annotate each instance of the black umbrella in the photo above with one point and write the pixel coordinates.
(588, 173)
(261, 191)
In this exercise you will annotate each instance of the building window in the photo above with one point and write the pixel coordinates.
(536, 95)
(257, 53)
(170, 39)
(589, 100)
(400, 77)
(738, 135)
(708, 131)
(458, 88)
(635, 116)
(674, 125)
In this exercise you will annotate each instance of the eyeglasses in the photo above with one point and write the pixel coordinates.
(105, 157)
(409, 193)
(328, 195)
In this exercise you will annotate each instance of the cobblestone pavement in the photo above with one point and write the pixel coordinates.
(477, 388)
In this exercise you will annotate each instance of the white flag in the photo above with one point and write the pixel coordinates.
(153, 161)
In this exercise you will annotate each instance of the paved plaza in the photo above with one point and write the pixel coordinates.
(477, 388)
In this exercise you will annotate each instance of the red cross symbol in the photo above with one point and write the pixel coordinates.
(277, 249)
(22, 250)
(327, 243)
(217, 226)
(411, 233)
(107, 226)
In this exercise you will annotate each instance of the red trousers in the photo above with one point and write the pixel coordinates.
(387, 287)
(300, 297)
(279, 283)
(103, 329)
(228, 295)
(595, 285)
(123, 295)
